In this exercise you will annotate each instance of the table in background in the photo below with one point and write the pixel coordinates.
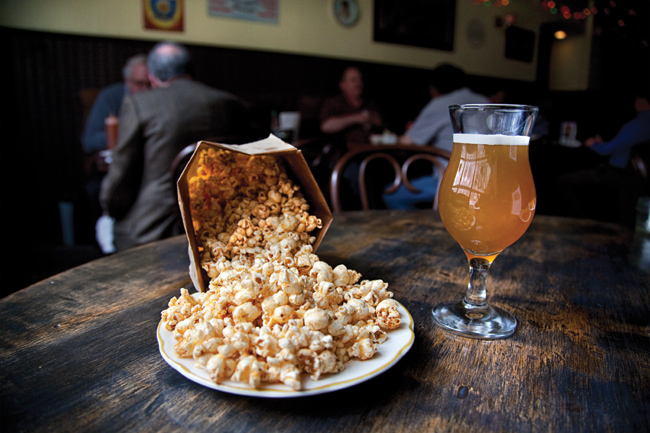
(550, 161)
(79, 350)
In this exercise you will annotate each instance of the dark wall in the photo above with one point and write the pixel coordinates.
(44, 73)
(42, 161)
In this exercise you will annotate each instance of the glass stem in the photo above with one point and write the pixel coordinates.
(476, 291)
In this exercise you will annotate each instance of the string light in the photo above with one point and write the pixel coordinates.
(622, 15)
(566, 12)
(563, 8)
(497, 3)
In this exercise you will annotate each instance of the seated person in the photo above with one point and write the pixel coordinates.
(613, 181)
(138, 191)
(350, 118)
(350, 115)
(432, 127)
(634, 132)
(109, 101)
(93, 139)
(447, 86)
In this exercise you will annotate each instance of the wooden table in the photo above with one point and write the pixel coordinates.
(79, 350)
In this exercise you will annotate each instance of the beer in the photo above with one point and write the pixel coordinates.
(487, 195)
(111, 125)
(487, 200)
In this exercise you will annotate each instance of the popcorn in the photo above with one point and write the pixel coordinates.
(316, 319)
(387, 315)
(273, 309)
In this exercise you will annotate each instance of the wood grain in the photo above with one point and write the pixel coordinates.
(79, 353)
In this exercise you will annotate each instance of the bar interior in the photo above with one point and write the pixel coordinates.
(350, 84)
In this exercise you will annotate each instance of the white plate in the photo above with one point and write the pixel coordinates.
(388, 353)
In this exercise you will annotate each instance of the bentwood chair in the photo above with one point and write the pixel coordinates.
(321, 153)
(179, 163)
(382, 170)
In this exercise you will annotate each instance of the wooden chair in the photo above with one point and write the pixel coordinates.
(319, 151)
(179, 163)
(321, 154)
(403, 161)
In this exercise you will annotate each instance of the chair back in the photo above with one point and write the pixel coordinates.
(180, 161)
(178, 165)
(402, 161)
(321, 154)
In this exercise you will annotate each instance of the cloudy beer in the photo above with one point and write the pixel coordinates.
(487, 201)
(487, 196)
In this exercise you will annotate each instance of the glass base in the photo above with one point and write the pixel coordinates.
(485, 322)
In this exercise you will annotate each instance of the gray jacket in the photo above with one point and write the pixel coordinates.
(154, 126)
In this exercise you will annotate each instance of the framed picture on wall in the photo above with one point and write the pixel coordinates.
(346, 12)
(163, 15)
(265, 11)
(420, 23)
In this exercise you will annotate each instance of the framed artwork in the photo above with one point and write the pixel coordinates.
(419, 23)
(163, 15)
(346, 12)
(265, 11)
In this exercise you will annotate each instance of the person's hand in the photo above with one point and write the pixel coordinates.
(593, 140)
(405, 139)
(368, 119)
(363, 117)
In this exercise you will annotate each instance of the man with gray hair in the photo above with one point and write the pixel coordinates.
(95, 143)
(155, 126)
(109, 101)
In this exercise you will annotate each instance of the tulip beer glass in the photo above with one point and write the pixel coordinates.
(487, 200)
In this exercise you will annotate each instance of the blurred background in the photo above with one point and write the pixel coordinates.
(575, 59)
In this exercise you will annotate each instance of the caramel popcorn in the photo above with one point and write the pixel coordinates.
(273, 309)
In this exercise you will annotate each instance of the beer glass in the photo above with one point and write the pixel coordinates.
(487, 200)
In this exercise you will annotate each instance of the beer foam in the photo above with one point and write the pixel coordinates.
(508, 140)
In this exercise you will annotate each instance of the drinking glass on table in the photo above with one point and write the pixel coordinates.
(487, 200)
(111, 127)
